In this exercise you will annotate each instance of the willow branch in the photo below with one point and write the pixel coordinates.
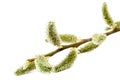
(76, 44)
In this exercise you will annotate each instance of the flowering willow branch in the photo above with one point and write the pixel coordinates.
(63, 47)
(41, 63)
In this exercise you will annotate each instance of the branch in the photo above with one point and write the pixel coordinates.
(76, 44)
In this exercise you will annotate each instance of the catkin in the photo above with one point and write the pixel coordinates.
(42, 64)
(87, 47)
(67, 62)
(52, 35)
(98, 38)
(68, 38)
(106, 15)
(27, 67)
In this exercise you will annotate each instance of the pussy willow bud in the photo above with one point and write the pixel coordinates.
(27, 67)
(106, 15)
(42, 64)
(52, 35)
(67, 62)
(98, 38)
(68, 38)
(89, 46)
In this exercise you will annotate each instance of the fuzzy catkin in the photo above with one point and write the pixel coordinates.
(67, 62)
(68, 38)
(87, 47)
(52, 35)
(98, 38)
(106, 15)
(27, 67)
(42, 64)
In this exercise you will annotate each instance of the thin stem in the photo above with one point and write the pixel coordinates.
(67, 46)
(76, 44)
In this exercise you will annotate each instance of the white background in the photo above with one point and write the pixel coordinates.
(22, 35)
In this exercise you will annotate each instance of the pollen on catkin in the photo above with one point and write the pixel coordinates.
(67, 62)
(106, 15)
(68, 38)
(98, 38)
(42, 64)
(52, 35)
(89, 46)
(27, 67)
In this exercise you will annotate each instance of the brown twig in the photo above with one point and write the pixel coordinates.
(76, 44)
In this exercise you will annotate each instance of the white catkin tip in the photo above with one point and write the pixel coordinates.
(67, 62)
(52, 34)
(98, 38)
(42, 64)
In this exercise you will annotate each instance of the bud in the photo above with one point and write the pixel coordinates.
(42, 64)
(67, 62)
(52, 35)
